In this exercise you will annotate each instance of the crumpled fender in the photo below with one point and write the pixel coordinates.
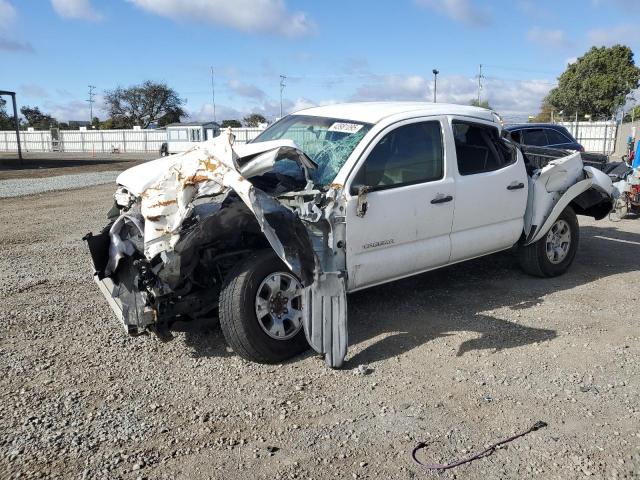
(168, 186)
(595, 179)
(555, 212)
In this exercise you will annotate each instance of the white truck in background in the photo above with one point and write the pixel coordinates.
(269, 237)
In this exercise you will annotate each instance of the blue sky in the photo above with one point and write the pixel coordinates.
(330, 50)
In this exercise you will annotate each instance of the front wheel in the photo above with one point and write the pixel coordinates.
(261, 310)
(552, 254)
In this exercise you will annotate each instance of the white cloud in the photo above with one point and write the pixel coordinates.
(394, 87)
(270, 16)
(73, 110)
(548, 38)
(33, 91)
(10, 45)
(246, 90)
(623, 34)
(511, 98)
(8, 15)
(80, 9)
(464, 11)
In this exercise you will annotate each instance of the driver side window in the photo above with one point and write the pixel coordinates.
(409, 154)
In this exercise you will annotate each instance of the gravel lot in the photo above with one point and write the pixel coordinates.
(28, 186)
(458, 358)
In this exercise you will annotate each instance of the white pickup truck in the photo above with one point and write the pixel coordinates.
(269, 237)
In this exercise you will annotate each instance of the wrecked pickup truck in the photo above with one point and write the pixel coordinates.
(269, 237)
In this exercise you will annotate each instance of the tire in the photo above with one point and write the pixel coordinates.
(239, 322)
(534, 259)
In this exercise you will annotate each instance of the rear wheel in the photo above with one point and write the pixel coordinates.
(261, 310)
(552, 254)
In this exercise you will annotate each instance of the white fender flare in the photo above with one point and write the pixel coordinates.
(571, 193)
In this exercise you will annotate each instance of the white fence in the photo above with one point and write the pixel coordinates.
(599, 137)
(98, 141)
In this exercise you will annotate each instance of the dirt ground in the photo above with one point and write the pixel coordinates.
(458, 358)
(39, 165)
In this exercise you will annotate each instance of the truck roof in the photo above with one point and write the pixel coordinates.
(373, 112)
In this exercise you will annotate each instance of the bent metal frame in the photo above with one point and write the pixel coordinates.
(15, 120)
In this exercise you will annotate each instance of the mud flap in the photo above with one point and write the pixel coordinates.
(325, 317)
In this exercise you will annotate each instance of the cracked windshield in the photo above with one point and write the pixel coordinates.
(327, 141)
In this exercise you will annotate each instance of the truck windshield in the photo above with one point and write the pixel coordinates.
(327, 141)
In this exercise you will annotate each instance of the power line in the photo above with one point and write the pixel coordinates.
(90, 100)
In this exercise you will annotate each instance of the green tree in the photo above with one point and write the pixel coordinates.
(36, 119)
(6, 119)
(482, 104)
(231, 123)
(143, 105)
(544, 116)
(597, 83)
(633, 114)
(254, 120)
(172, 116)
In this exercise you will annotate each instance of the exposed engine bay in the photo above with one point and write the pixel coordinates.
(179, 224)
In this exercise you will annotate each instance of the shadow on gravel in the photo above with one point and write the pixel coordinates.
(204, 337)
(440, 303)
(30, 164)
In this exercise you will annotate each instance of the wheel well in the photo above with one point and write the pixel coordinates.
(592, 203)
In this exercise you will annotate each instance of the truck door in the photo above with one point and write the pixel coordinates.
(491, 186)
(400, 205)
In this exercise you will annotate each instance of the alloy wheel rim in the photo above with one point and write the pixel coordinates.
(278, 306)
(558, 242)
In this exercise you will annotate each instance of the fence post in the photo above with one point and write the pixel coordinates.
(124, 141)
(102, 141)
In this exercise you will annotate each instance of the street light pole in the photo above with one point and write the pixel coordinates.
(435, 84)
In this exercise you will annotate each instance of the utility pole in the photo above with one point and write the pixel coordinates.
(435, 84)
(90, 100)
(480, 77)
(213, 96)
(282, 85)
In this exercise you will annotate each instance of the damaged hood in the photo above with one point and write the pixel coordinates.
(250, 159)
(167, 187)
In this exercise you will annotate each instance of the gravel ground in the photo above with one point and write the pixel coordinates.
(458, 358)
(29, 186)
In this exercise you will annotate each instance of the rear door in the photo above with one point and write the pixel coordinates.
(409, 206)
(491, 191)
(558, 140)
(535, 136)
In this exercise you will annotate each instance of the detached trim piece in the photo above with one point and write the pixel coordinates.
(325, 321)
(107, 287)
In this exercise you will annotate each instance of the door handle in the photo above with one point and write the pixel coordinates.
(515, 186)
(443, 199)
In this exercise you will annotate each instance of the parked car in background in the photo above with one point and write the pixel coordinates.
(544, 135)
(542, 138)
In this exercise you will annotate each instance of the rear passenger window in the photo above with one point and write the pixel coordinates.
(515, 136)
(479, 148)
(409, 154)
(535, 136)
(556, 138)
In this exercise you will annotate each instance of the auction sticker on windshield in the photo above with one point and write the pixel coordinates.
(344, 127)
